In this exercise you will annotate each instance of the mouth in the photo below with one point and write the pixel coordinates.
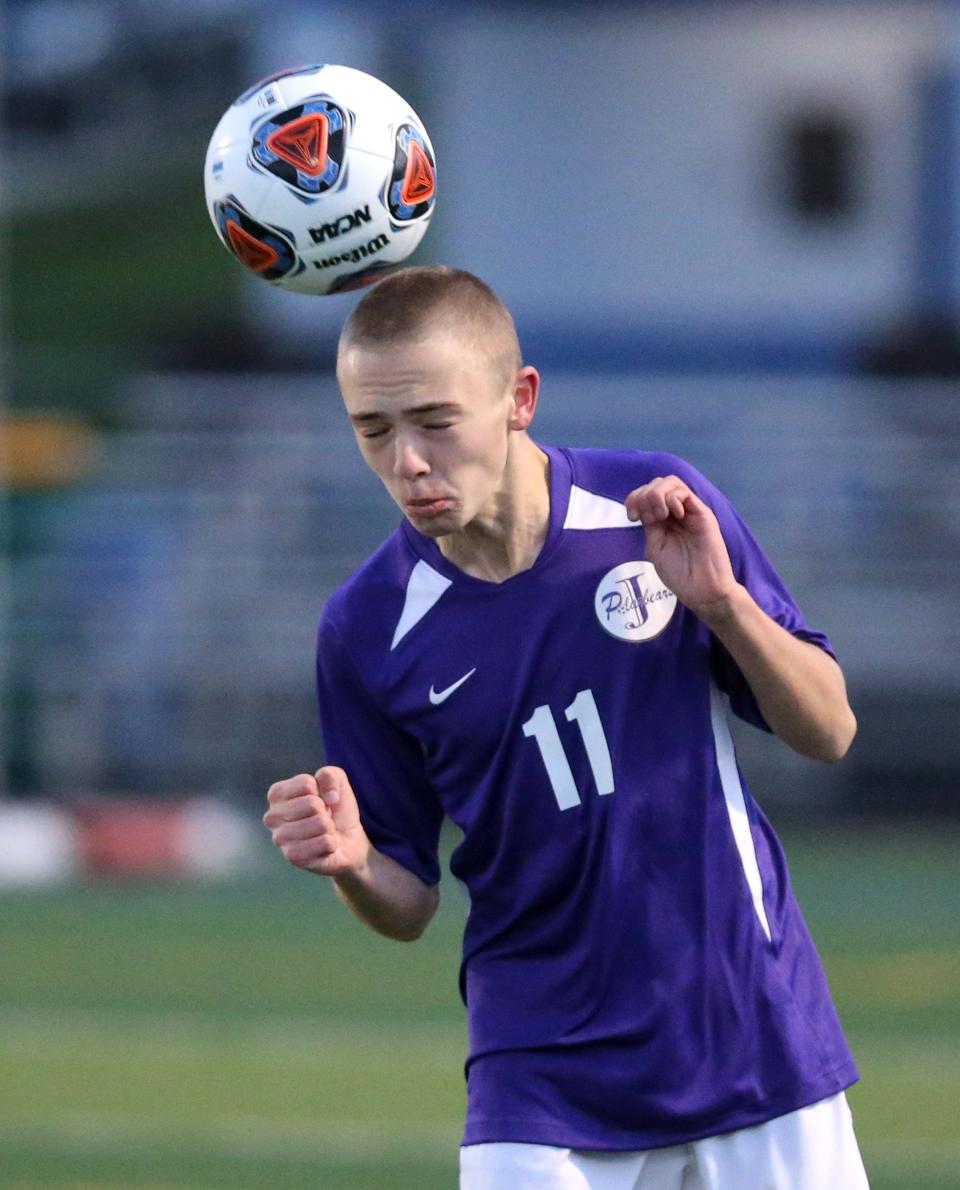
(428, 508)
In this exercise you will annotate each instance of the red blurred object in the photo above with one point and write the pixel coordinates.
(124, 837)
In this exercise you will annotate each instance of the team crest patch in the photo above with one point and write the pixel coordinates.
(632, 603)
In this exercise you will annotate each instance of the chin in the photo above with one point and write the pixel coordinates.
(440, 525)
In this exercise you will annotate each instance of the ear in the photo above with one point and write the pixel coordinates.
(526, 388)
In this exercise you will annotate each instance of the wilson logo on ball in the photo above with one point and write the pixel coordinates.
(410, 193)
(303, 146)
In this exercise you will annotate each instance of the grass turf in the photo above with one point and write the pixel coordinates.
(254, 1035)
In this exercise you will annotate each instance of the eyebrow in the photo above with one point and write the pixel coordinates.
(429, 407)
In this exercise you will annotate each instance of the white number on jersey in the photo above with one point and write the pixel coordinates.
(542, 726)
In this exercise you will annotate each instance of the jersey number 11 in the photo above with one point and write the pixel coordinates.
(542, 726)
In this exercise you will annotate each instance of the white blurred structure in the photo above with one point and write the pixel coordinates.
(640, 172)
(38, 845)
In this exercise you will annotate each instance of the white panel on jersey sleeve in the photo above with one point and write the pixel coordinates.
(736, 808)
(586, 510)
(424, 587)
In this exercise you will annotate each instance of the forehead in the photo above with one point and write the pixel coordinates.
(438, 365)
(428, 352)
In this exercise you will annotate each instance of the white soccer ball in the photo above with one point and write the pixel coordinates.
(320, 179)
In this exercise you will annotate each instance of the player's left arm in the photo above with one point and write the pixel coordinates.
(799, 688)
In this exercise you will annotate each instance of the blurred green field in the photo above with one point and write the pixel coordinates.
(254, 1035)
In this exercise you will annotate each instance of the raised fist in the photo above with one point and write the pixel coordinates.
(316, 823)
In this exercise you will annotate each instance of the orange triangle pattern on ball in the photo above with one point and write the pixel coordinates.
(249, 250)
(419, 180)
(302, 143)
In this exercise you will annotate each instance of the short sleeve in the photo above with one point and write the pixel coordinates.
(398, 808)
(755, 571)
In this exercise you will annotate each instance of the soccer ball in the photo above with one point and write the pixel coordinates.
(320, 179)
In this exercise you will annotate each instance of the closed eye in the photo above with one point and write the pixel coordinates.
(380, 431)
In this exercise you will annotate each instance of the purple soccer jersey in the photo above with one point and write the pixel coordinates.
(636, 969)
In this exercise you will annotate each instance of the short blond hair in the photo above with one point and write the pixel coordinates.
(409, 304)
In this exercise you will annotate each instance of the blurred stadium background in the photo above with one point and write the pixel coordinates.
(731, 230)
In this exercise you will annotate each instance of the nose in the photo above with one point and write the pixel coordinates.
(408, 463)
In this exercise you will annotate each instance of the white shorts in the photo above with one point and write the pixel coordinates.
(813, 1148)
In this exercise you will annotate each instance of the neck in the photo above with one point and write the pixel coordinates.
(507, 538)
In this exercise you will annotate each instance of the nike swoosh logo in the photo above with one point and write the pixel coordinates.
(439, 696)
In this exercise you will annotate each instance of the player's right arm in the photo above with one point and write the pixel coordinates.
(315, 822)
